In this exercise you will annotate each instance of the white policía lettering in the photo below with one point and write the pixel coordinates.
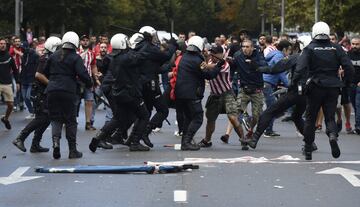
(355, 63)
(16, 177)
(348, 174)
(324, 48)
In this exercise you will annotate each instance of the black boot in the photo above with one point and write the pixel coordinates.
(19, 142)
(335, 150)
(135, 144)
(186, 144)
(36, 147)
(73, 153)
(146, 138)
(104, 145)
(56, 147)
(254, 140)
(96, 140)
(94, 144)
(308, 151)
(118, 137)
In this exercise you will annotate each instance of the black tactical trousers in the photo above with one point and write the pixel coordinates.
(327, 99)
(63, 110)
(37, 125)
(193, 112)
(286, 101)
(131, 111)
(154, 99)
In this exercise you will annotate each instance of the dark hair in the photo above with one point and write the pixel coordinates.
(334, 34)
(2, 38)
(248, 40)
(283, 44)
(296, 45)
(268, 40)
(261, 35)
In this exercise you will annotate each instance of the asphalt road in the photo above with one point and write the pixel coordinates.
(249, 182)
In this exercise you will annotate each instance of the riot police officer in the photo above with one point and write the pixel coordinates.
(38, 96)
(318, 66)
(62, 69)
(126, 98)
(189, 89)
(149, 70)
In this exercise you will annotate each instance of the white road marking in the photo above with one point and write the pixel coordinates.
(180, 195)
(348, 174)
(16, 177)
(285, 159)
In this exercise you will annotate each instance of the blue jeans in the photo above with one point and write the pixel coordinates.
(26, 93)
(355, 100)
(269, 101)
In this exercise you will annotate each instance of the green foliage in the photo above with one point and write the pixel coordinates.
(206, 17)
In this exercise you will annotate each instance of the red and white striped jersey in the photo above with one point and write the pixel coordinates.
(221, 83)
(268, 49)
(89, 59)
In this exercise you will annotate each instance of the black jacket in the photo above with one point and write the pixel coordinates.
(248, 74)
(190, 82)
(320, 61)
(63, 68)
(155, 59)
(29, 64)
(355, 60)
(107, 79)
(125, 69)
(7, 68)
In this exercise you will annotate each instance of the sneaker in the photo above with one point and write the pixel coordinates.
(348, 128)
(89, 127)
(156, 130)
(244, 146)
(318, 129)
(356, 131)
(15, 109)
(349, 131)
(178, 134)
(6, 123)
(31, 116)
(271, 134)
(205, 144)
(225, 138)
(245, 120)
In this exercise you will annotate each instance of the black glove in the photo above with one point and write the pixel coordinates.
(220, 63)
(173, 42)
(263, 69)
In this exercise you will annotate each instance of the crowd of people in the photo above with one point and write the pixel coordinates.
(133, 76)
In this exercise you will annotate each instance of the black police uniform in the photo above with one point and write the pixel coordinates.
(62, 69)
(318, 64)
(151, 91)
(293, 97)
(41, 121)
(126, 100)
(189, 91)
